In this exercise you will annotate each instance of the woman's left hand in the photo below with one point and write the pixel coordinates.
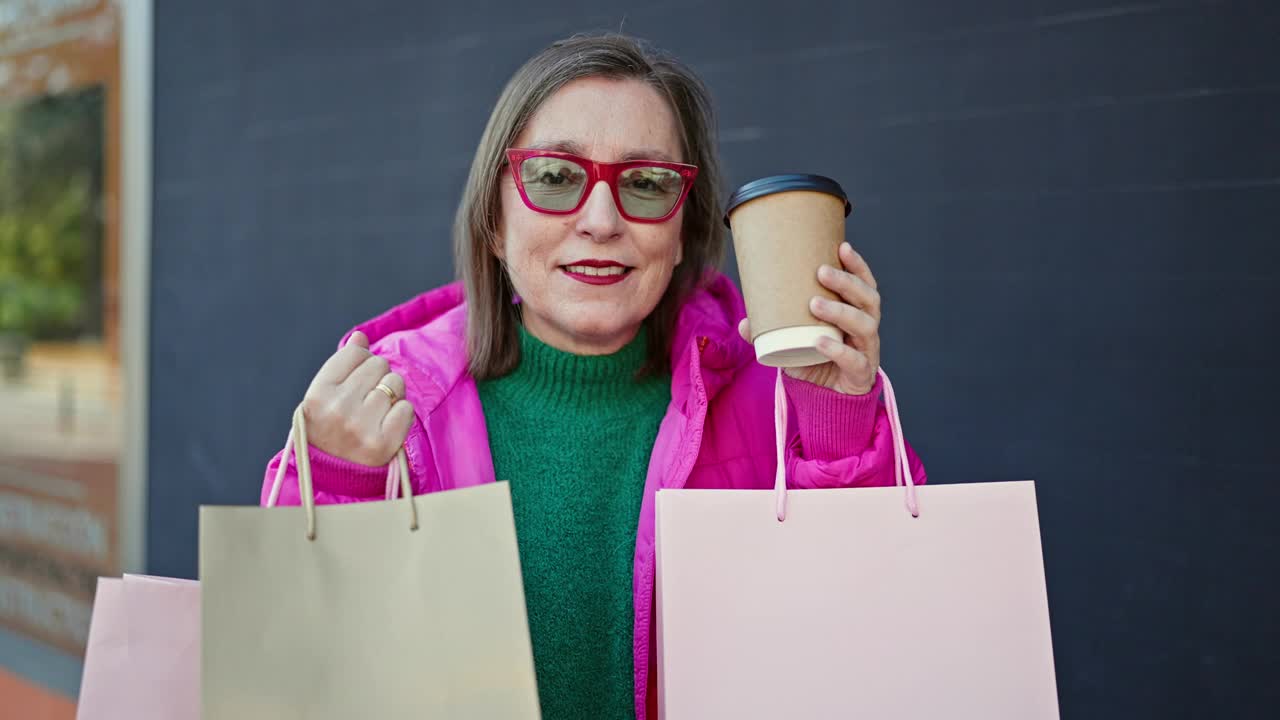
(853, 363)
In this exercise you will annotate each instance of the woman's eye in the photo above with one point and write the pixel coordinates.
(552, 173)
(558, 176)
(648, 182)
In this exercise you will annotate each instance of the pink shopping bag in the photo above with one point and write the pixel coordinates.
(846, 604)
(143, 656)
(106, 656)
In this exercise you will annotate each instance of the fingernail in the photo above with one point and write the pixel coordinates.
(824, 272)
(817, 304)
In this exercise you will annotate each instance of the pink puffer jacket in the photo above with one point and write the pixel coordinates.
(718, 431)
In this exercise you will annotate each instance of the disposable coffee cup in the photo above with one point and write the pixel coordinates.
(784, 228)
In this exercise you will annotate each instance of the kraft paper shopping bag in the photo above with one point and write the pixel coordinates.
(407, 608)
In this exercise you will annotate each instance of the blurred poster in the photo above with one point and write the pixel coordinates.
(60, 376)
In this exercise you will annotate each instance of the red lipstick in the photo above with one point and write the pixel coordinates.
(596, 272)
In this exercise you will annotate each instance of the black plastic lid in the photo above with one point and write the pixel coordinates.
(784, 183)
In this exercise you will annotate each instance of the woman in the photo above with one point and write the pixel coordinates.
(590, 355)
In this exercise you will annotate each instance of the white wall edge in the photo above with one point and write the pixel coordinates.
(136, 73)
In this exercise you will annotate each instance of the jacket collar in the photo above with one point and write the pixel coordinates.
(434, 324)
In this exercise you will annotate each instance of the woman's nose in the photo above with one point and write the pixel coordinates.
(599, 218)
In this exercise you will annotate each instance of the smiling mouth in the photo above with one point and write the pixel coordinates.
(590, 271)
(597, 272)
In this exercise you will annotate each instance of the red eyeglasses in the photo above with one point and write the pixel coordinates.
(557, 183)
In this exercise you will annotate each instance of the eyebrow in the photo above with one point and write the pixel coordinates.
(573, 148)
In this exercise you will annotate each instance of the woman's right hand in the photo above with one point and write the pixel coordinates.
(348, 415)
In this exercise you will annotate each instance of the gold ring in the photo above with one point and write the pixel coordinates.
(391, 394)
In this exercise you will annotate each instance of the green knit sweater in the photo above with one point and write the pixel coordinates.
(573, 434)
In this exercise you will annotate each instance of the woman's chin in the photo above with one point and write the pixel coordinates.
(590, 326)
(602, 333)
(606, 336)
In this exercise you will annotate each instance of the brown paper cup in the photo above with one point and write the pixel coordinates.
(784, 228)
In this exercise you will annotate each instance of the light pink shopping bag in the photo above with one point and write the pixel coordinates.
(106, 661)
(877, 603)
(143, 656)
(164, 647)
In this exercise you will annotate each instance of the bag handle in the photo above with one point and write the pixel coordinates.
(397, 474)
(901, 466)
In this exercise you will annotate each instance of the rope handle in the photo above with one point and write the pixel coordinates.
(397, 475)
(901, 465)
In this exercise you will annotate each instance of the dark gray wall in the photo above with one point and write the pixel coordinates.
(1071, 206)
